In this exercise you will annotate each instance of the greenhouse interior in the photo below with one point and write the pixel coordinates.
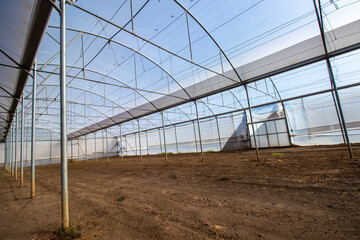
(90, 80)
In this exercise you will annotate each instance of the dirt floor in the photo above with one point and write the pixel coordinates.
(293, 193)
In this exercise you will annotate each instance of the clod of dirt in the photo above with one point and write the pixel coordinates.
(224, 179)
(120, 199)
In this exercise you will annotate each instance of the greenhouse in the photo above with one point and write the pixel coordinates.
(100, 85)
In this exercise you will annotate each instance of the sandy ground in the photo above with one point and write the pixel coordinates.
(293, 193)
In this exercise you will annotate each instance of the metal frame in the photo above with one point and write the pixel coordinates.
(12, 128)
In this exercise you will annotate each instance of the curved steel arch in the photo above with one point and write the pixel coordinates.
(137, 52)
(88, 106)
(146, 40)
(85, 90)
(212, 38)
(110, 40)
(152, 61)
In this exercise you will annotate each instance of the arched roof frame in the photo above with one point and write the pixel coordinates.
(137, 52)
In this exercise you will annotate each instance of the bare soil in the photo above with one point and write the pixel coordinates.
(293, 193)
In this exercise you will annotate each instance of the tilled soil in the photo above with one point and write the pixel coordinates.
(293, 193)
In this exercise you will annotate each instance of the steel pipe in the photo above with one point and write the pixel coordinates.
(63, 127)
(32, 175)
(16, 143)
(22, 143)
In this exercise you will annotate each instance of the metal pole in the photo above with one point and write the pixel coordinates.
(63, 130)
(198, 123)
(22, 143)
(286, 123)
(126, 145)
(107, 146)
(32, 175)
(218, 130)
(95, 147)
(331, 76)
(121, 147)
(50, 146)
(252, 123)
(102, 141)
(14, 148)
(139, 140)
(117, 146)
(196, 146)
(147, 143)
(136, 147)
(16, 141)
(78, 149)
(10, 151)
(163, 127)
(86, 152)
(71, 149)
(6, 154)
(160, 141)
(176, 140)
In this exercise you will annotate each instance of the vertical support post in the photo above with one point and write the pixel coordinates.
(252, 122)
(32, 180)
(6, 154)
(341, 117)
(107, 146)
(136, 147)
(196, 146)
(198, 123)
(176, 140)
(160, 141)
(117, 147)
(16, 143)
(126, 145)
(147, 143)
(267, 134)
(71, 149)
(50, 150)
(11, 151)
(139, 140)
(78, 149)
(102, 141)
(95, 147)
(286, 123)
(14, 146)
(63, 130)
(218, 130)
(86, 152)
(8, 151)
(163, 127)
